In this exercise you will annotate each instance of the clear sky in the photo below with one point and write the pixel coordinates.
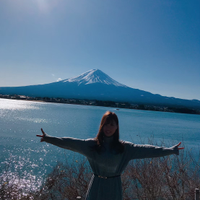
(152, 45)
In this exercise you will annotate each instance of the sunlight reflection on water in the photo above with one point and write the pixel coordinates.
(34, 120)
(17, 105)
(18, 171)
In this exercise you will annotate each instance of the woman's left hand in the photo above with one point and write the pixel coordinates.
(179, 148)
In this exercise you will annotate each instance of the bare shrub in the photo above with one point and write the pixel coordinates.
(67, 181)
(167, 178)
(170, 178)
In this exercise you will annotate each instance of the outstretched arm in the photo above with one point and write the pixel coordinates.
(150, 151)
(77, 145)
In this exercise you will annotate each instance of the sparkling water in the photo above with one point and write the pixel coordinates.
(32, 160)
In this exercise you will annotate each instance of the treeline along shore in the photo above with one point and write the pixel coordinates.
(117, 105)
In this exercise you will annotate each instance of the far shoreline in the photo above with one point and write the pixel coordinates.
(113, 104)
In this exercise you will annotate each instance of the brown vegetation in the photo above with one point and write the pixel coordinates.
(167, 178)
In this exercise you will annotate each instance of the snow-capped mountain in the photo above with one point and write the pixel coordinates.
(96, 85)
(93, 76)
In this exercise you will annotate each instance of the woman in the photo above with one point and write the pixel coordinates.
(108, 156)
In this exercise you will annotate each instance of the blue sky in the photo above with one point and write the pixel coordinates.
(149, 45)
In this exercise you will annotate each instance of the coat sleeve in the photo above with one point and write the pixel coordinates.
(136, 151)
(77, 145)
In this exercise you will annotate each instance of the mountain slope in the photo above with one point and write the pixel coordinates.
(96, 85)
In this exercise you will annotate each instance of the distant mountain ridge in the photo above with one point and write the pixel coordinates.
(96, 85)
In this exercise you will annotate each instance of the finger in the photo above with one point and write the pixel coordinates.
(39, 135)
(180, 148)
(179, 144)
(42, 131)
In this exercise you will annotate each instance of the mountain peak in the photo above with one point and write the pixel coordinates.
(94, 76)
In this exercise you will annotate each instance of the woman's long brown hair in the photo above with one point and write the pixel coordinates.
(117, 145)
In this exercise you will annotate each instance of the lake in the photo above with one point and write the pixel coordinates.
(20, 121)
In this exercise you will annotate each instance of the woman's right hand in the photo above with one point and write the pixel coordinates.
(42, 136)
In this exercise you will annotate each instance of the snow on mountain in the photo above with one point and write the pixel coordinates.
(94, 76)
